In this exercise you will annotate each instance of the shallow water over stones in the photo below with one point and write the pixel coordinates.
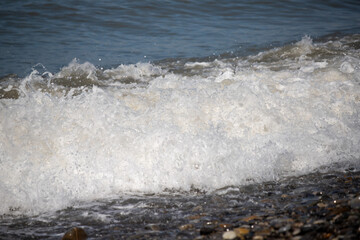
(315, 206)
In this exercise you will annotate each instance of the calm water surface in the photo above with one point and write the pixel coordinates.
(108, 33)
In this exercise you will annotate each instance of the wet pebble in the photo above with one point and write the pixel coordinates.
(75, 233)
(186, 227)
(285, 228)
(251, 218)
(321, 205)
(225, 225)
(319, 222)
(258, 237)
(264, 232)
(355, 203)
(296, 231)
(229, 235)
(155, 227)
(197, 209)
(195, 217)
(207, 231)
(241, 231)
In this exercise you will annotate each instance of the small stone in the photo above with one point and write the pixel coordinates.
(264, 224)
(317, 222)
(241, 231)
(206, 231)
(296, 231)
(298, 224)
(212, 223)
(186, 227)
(339, 210)
(307, 227)
(280, 222)
(285, 228)
(266, 200)
(336, 218)
(197, 208)
(326, 235)
(154, 227)
(258, 237)
(194, 217)
(284, 196)
(321, 205)
(355, 203)
(225, 225)
(250, 218)
(229, 235)
(353, 218)
(75, 234)
(264, 232)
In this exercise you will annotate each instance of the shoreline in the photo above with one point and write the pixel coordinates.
(313, 206)
(331, 212)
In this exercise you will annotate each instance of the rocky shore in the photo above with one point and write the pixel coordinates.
(313, 206)
(325, 209)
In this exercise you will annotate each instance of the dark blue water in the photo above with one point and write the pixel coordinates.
(109, 33)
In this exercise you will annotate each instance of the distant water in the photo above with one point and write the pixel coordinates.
(109, 33)
(100, 99)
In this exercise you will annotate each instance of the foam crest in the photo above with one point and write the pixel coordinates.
(230, 122)
(139, 71)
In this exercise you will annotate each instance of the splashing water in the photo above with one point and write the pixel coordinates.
(85, 133)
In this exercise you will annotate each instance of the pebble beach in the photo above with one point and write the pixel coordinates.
(313, 206)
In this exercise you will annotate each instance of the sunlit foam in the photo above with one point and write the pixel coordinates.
(229, 122)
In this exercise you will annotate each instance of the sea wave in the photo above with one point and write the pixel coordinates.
(86, 133)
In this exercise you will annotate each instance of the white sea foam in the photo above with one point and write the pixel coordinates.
(229, 122)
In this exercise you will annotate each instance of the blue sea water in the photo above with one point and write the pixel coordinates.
(109, 33)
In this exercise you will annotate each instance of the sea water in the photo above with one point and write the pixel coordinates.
(129, 99)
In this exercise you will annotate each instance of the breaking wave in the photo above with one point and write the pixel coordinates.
(86, 133)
